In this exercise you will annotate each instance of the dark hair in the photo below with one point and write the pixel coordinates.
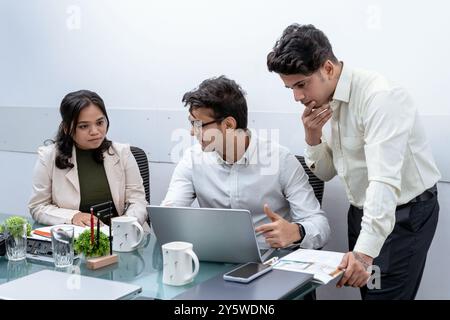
(301, 49)
(223, 96)
(70, 109)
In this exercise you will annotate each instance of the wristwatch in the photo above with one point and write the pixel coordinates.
(302, 232)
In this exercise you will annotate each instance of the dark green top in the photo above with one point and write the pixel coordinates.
(94, 186)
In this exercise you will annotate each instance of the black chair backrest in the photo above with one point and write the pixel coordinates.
(317, 184)
(142, 162)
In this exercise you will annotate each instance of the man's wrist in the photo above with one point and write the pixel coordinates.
(365, 260)
(313, 142)
(301, 231)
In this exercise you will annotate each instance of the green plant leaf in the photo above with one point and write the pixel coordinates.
(14, 225)
(83, 244)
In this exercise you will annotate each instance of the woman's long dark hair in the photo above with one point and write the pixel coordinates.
(70, 109)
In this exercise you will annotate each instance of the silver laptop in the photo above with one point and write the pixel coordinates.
(54, 285)
(218, 235)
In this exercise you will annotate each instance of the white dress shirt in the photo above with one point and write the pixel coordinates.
(379, 150)
(266, 173)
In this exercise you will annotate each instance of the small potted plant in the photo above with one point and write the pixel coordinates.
(84, 246)
(97, 253)
(16, 230)
(13, 224)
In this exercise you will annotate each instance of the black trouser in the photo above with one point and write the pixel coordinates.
(403, 255)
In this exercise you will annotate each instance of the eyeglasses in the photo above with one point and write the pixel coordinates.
(198, 124)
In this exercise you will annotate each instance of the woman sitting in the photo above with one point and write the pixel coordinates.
(83, 168)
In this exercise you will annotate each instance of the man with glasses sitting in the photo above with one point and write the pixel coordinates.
(232, 168)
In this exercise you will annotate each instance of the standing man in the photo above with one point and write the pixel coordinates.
(378, 149)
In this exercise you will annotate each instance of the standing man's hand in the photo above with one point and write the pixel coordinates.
(314, 118)
(355, 265)
(280, 232)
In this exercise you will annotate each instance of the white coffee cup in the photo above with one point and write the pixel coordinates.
(127, 233)
(177, 263)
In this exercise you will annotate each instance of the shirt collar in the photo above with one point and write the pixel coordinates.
(342, 92)
(251, 149)
(248, 154)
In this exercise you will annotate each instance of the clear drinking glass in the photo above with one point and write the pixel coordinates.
(16, 242)
(62, 245)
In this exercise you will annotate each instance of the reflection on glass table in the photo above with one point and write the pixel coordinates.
(143, 267)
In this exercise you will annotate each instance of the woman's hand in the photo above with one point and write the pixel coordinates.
(83, 219)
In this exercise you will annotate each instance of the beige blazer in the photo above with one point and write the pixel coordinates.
(56, 197)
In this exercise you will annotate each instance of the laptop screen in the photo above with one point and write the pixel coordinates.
(219, 235)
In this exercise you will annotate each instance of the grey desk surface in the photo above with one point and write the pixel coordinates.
(274, 285)
(142, 267)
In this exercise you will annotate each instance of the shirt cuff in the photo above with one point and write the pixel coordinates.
(369, 244)
(314, 153)
(69, 215)
(308, 242)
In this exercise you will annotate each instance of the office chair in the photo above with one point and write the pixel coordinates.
(142, 162)
(317, 184)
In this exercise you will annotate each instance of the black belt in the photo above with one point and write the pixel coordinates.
(424, 196)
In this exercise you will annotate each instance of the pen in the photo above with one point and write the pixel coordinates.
(98, 232)
(92, 226)
(110, 229)
(336, 272)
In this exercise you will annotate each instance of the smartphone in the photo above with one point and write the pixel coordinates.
(247, 272)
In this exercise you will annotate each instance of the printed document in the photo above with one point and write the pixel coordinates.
(323, 265)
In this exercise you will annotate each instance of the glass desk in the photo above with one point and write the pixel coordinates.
(142, 267)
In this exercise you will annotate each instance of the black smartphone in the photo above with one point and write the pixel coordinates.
(247, 272)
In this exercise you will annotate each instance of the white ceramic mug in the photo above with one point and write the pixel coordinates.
(177, 263)
(127, 233)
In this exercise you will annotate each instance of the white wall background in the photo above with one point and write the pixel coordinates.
(143, 55)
